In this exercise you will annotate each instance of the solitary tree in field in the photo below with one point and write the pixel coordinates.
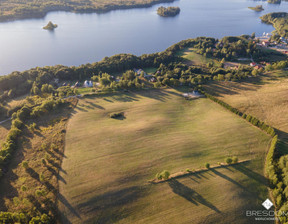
(207, 165)
(228, 160)
(165, 174)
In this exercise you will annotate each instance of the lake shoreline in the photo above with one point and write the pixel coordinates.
(41, 14)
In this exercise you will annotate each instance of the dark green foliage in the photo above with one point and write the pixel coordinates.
(17, 123)
(234, 159)
(170, 11)
(25, 165)
(117, 115)
(207, 165)
(228, 160)
(164, 175)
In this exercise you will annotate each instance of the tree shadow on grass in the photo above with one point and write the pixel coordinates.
(190, 195)
(93, 105)
(110, 206)
(251, 174)
(234, 182)
(160, 95)
(65, 202)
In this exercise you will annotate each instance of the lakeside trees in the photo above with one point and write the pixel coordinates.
(279, 20)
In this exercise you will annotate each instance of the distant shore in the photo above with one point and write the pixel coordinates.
(42, 10)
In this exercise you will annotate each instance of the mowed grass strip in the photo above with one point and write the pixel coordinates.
(108, 162)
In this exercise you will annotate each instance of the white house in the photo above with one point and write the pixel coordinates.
(88, 84)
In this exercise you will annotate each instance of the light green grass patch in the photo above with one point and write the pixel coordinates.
(192, 58)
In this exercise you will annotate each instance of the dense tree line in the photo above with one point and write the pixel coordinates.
(19, 119)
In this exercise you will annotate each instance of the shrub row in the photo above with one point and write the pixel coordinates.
(18, 119)
(9, 217)
(10, 144)
(253, 120)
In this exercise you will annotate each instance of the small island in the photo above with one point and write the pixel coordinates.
(50, 26)
(168, 12)
(274, 1)
(257, 8)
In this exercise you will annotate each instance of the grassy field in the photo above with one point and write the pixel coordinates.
(264, 97)
(108, 162)
(192, 58)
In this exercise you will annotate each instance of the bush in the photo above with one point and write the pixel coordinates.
(41, 177)
(117, 115)
(23, 188)
(44, 162)
(25, 165)
(207, 165)
(228, 160)
(17, 123)
(234, 159)
(165, 174)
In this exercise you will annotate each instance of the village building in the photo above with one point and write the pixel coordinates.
(88, 84)
(265, 43)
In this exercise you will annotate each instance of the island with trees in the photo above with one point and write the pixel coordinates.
(50, 26)
(257, 8)
(168, 12)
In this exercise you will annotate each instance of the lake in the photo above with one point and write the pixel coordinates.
(86, 38)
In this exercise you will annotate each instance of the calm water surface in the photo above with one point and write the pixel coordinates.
(83, 38)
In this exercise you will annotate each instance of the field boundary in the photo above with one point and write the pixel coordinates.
(196, 171)
(270, 163)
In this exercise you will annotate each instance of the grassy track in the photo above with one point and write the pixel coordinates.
(108, 162)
